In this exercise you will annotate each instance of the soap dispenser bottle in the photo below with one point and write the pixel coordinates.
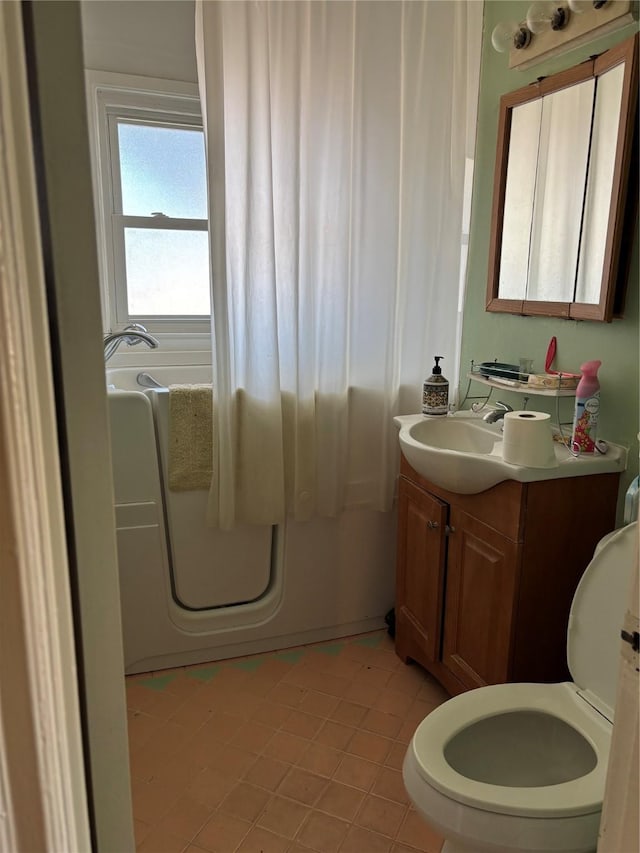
(585, 420)
(435, 392)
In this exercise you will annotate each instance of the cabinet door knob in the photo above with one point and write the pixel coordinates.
(432, 525)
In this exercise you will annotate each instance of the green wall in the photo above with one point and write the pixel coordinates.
(487, 336)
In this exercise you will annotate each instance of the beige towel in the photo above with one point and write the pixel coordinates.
(190, 437)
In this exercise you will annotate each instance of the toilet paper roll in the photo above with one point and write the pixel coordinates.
(528, 440)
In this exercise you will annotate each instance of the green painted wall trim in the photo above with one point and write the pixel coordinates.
(487, 336)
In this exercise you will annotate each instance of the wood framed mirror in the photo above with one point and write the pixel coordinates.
(565, 191)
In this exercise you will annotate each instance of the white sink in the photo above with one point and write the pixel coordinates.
(463, 454)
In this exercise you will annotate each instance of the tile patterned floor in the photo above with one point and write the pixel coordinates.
(296, 751)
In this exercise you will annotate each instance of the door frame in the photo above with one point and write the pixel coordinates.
(43, 798)
(62, 703)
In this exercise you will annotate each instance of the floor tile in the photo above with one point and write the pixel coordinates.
(222, 833)
(166, 704)
(283, 816)
(298, 751)
(319, 704)
(232, 761)
(372, 641)
(356, 772)
(145, 762)
(417, 834)
(140, 698)
(271, 713)
(393, 702)
(159, 841)
(287, 694)
(185, 818)
(140, 831)
(203, 673)
(253, 736)
(323, 833)
(245, 801)
(389, 785)
(395, 757)
(302, 786)
(342, 665)
(141, 726)
(380, 815)
(362, 694)
(210, 787)
(368, 745)
(291, 656)
(381, 723)
(151, 800)
(183, 686)
(349, 713)
(301, 724)
(191, 715)
(260, 840)
(329, 648)
(340, 800)
(179, 771)
(267, 772)
(359, 840)
(334, 734)
(321, 759)
(286, 747)
(373, 676)
(408, 680)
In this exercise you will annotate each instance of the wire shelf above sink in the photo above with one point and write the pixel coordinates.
(520, 387)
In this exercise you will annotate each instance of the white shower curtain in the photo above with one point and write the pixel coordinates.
(336, 137)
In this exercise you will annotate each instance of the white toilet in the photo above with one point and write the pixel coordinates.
(522, 767)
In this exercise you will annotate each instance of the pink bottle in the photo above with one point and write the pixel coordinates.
(585, 421)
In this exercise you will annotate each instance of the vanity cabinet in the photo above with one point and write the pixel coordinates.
(484, 582)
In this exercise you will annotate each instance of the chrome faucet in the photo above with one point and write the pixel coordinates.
(131, 335)
(498, 413)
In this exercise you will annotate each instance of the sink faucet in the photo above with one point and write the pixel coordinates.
(132, 335)
(498, 413)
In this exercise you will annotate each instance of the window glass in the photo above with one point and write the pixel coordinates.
(167, 272)
(162, 170)
(151, 160)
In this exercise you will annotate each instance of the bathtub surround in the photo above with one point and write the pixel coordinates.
(193, 593)
(336, 211)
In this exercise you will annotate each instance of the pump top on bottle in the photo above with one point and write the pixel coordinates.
(435, 391)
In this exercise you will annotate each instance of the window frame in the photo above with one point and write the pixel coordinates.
(147, 101)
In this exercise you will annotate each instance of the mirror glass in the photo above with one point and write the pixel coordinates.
(564, 148)
(519, 198)
(602, 161)
(563, 153)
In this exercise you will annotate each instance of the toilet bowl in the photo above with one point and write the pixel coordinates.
(522, 767)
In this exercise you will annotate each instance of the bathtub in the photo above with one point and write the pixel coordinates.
(191, 593)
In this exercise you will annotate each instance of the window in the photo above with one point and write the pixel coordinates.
(151, 201)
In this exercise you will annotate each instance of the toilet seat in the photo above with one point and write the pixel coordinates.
(579, 796)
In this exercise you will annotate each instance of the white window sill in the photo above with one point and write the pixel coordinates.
(173, 349)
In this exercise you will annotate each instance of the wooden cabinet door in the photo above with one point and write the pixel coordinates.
(482, 573)
(422, 522)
